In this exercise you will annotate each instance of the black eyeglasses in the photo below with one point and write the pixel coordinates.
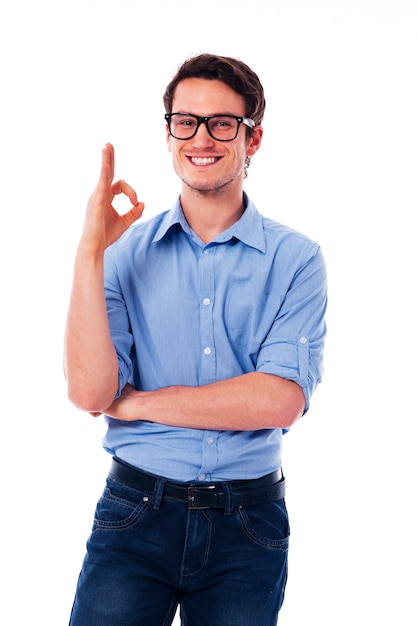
(219, 127)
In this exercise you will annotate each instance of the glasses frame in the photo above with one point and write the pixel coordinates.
(204, 119)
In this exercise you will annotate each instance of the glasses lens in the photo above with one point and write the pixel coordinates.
(221, 127)
(183, 126)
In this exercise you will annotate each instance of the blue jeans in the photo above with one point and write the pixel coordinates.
(147, 555)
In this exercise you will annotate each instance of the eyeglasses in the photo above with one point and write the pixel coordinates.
(219, 127)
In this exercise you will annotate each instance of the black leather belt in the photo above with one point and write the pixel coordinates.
(269, 488)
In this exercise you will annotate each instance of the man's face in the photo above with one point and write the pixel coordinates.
(202, 163)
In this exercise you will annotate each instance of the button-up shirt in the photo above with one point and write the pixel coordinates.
(182, 312)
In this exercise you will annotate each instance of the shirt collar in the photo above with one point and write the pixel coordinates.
(248, 229)
(170, 219)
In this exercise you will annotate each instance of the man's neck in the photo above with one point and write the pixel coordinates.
(211, 213)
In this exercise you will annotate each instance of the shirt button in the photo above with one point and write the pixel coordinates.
(303, 339)
(206, 301)
(201, 476)
(207, 350)
(210, 441)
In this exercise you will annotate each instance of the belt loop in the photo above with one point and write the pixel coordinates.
(158, 492)
(228, 496)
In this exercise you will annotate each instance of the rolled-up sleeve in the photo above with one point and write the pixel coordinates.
(120, 328)
(293, 348)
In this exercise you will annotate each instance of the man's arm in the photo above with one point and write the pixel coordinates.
(90, 359)
(251, 401)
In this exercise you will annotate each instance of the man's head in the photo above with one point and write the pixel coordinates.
(233, 72)
(215, 107)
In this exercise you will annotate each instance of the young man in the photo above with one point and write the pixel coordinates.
(199, 335)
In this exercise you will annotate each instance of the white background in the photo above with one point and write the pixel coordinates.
(338, 163)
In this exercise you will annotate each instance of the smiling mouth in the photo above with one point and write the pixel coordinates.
(203, 160)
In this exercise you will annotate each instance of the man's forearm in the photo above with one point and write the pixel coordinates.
(90, 360)
(249, 402)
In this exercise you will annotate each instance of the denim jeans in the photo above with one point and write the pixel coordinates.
(146, 555)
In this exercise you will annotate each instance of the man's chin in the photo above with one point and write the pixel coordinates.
(205, 187)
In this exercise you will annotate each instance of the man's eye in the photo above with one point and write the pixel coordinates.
(189, 122)
(222, 123)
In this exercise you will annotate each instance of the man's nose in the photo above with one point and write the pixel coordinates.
(202, 136)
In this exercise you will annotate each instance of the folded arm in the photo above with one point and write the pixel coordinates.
(251, 401)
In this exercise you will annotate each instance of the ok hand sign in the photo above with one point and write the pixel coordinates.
(103, 225)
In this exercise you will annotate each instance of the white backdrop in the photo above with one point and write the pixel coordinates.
(338, 162)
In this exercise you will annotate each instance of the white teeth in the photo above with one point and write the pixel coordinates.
(203, 160)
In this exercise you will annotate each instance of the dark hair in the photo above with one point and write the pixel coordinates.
(229, 70)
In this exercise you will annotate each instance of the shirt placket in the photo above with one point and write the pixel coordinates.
(208, 351)
(206, 296)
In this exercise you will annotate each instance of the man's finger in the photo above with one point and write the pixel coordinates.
(107, 169)
(134, 213)
(121, 186)
(110, 151)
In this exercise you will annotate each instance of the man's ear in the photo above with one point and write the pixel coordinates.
(168, 138)
(255, 141)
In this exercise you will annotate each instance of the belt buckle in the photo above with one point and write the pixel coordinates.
(191, 495)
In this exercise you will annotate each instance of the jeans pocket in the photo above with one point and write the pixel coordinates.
(266, 525)
(119, 509)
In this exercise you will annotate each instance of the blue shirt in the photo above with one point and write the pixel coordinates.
(183, 312)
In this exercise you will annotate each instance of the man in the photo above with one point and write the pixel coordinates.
(199, 335)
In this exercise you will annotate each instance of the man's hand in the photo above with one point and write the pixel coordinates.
(103, 224)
